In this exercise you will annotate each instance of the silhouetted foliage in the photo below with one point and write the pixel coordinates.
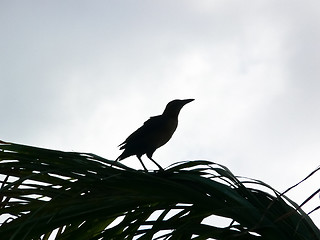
(69, 195)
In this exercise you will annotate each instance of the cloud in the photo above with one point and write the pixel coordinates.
(82, 76)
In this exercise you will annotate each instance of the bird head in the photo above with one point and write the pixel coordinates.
(173, 108)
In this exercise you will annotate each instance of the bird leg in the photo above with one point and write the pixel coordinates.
(139, 157)
(160, 168)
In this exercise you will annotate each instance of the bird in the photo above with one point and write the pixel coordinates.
(154, 133)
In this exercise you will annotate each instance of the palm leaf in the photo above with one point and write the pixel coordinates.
(69, 195)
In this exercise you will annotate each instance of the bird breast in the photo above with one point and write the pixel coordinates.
(165, 132)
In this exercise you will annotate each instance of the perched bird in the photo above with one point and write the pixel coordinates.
(153, 134)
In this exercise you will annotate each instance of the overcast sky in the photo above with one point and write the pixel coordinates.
(82, 75)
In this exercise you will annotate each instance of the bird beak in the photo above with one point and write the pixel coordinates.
(185, 101)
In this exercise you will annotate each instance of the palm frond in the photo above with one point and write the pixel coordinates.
(67, 195)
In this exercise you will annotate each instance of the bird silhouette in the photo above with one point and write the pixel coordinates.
(153, 134)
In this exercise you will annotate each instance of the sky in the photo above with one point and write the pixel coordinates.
(82, 75)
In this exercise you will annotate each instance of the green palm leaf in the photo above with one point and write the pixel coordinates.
(68, 195)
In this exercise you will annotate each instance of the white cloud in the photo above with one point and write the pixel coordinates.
(81, 76)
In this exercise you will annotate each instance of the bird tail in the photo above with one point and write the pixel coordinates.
(123, 156)
(118, 159)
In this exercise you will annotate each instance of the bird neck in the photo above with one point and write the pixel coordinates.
(173, 113)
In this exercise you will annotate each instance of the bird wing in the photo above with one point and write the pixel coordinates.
(149, 126)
